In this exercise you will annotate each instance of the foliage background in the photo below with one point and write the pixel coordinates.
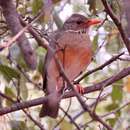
(21, 83)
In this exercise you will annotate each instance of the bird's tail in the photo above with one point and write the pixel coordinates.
(51, 106)
(49, 111)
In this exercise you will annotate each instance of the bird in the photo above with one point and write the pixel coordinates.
(73, 49)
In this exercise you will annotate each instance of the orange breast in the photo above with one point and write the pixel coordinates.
(75, 60)
(75, 53)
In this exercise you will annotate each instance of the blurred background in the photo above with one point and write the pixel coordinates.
(18, 81)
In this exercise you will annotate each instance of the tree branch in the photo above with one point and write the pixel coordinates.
(11, 16)
(98, 86)
(28, 115)
(38, 101)
(117, 23)
(99, 68)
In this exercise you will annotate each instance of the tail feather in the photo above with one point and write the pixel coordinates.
(49, 111)
(51, 106)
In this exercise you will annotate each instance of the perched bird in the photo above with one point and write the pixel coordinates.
(74, 51)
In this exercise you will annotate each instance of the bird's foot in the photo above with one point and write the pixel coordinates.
(80, 89)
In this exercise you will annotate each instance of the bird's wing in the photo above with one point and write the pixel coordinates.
(50, 73)
(49, 60)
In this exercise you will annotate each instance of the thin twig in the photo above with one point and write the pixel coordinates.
(100, 67)
(38, 101)
(91, 105)
(62, 119)
(98, 98)
(93, 115)
(72, 121)
(28, 115)
(14, 38)
(117, 110)
(34, 121)
(117, 22)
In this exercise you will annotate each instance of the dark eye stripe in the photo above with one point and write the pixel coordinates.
(79, 22)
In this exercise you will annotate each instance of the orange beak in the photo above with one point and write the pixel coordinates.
(92, 22)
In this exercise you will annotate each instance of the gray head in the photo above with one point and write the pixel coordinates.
(77, 22)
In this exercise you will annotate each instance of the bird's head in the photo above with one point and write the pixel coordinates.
(78, 22)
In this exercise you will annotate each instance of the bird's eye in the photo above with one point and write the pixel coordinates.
(79, 22)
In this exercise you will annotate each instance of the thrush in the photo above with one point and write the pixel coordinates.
(74, 51)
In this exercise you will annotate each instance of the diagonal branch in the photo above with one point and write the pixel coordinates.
(117, 22)
(71, 119)
(86, 108)
(100, 67)
(28, 115)
(12, 20)
(98, 86)
(38, 101)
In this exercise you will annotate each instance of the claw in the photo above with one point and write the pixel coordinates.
(80, 89)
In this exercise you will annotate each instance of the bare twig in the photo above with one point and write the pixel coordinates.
(7, 97)
(28, 115)
(34, 121)
(98, 98)
(27, 77)
(42, 100)
(91, 105)
(72, 121)
(123, 73)
(87, 124)
(117, 22)
(64, 114)
(12, 20)
(25, 104)
(86, 108)
(117, 110)
(35, 34)
(15, 37)
(92, 114)
(100, 67)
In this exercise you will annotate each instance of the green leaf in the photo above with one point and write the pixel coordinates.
(114, 44)
(41, 55)
(112, 106)
(40, 65)
(18, 125)
(10, 93)
(40, 51)
(95, 41)
(65, 125)
(36, 6)
(112, 121)
(117, 93)
(8, 72)
(20, 61)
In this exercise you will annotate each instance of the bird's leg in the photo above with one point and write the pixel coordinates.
(79, 89)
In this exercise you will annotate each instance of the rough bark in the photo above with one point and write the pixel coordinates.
(12, 20)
